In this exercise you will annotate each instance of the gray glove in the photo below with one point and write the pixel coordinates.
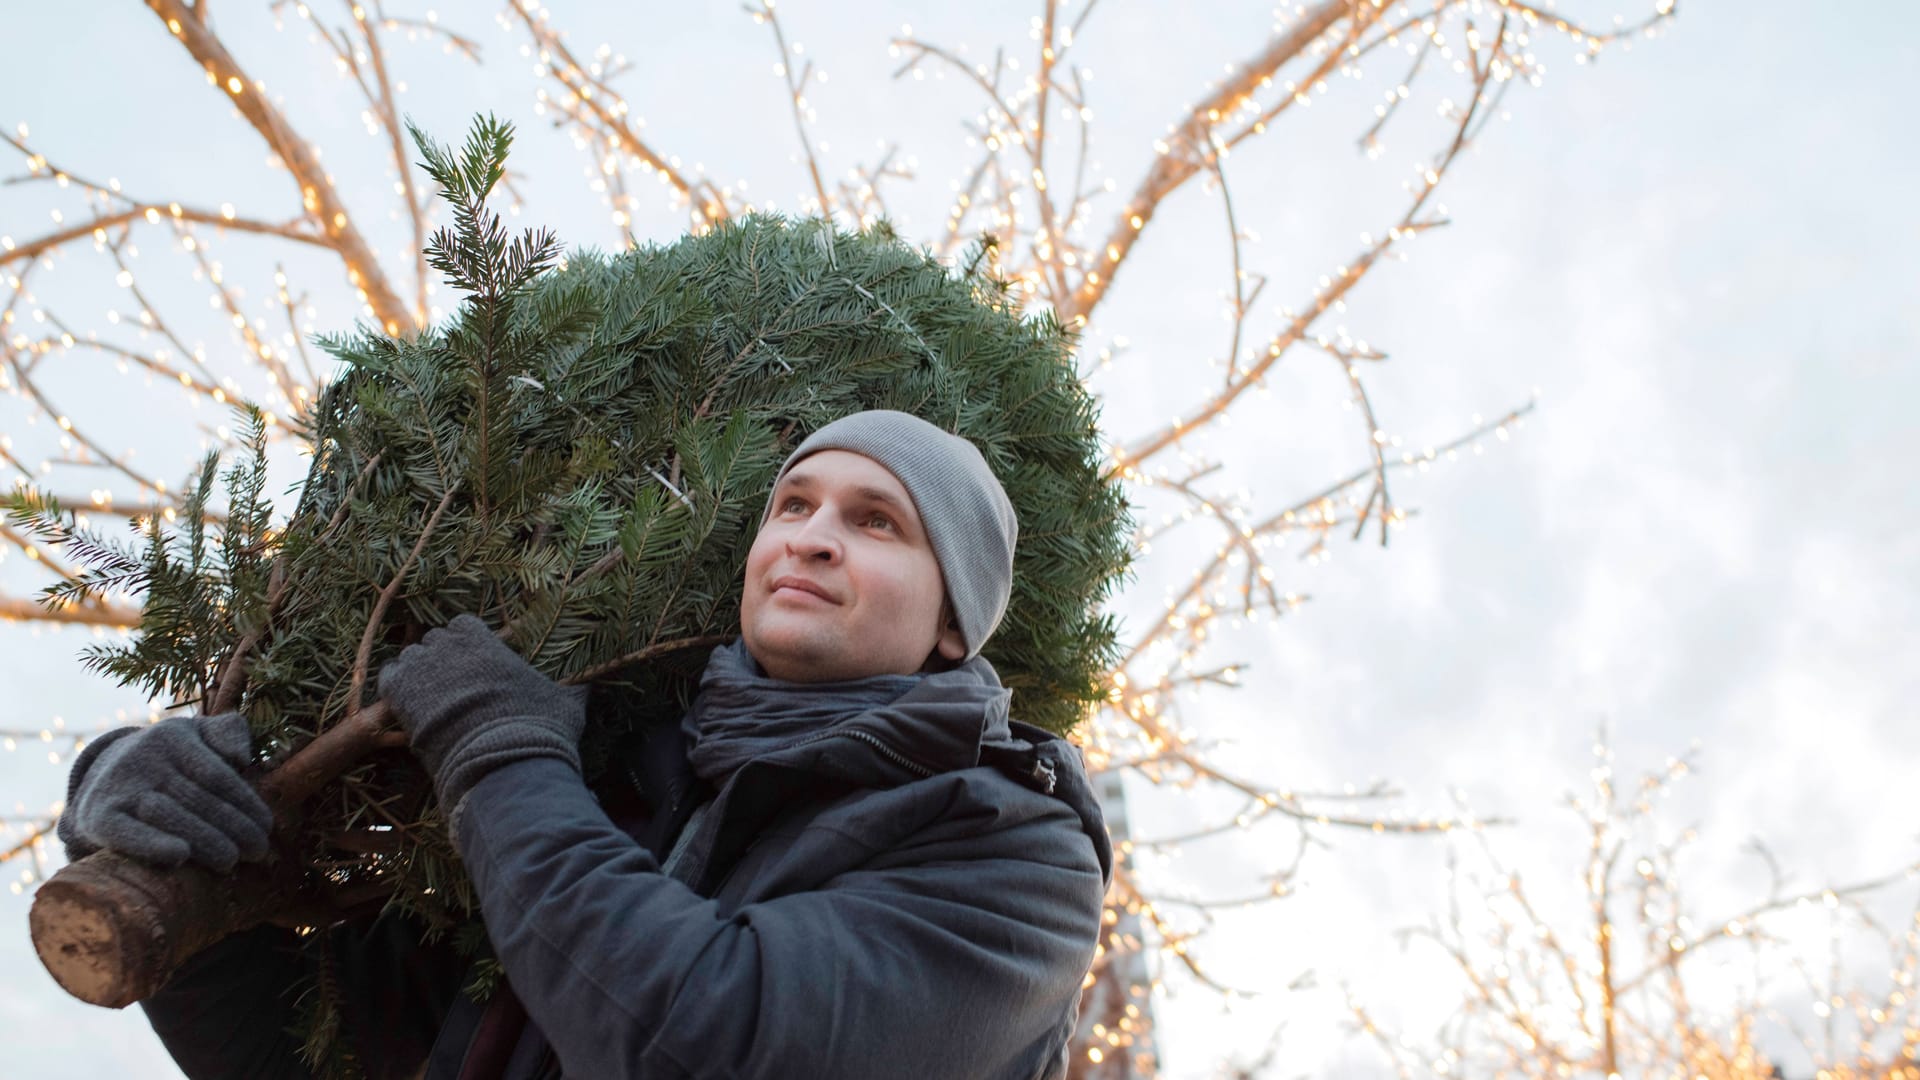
(168, 793)
(469, 705)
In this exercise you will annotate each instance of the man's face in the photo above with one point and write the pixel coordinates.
(842, 582)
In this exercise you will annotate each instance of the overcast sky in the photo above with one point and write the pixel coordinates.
(1698, 253)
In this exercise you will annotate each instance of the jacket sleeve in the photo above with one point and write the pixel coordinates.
(231, 1010)
(957, 957)
(227, 1011)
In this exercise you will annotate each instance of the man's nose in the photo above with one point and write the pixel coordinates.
(815, 538)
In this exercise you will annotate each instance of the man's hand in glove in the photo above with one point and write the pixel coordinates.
(469, 705)
(169, 793)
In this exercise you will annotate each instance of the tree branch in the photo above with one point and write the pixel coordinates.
(601, 113)
(363, 656)
(114, 615)
(796, 87)
(323, 206)
(152, 211)
(1187, 150)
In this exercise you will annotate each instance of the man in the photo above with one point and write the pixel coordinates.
(846, 862)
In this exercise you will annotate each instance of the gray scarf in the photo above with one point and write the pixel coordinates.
(741, 713)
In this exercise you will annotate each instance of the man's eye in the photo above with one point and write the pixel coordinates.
(791, 502)
(881, 520)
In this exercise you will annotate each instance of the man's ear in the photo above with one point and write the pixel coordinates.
(952, 645)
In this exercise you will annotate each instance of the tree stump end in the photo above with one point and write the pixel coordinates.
(93, 943)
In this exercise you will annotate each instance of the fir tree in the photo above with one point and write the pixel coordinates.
(580, 456)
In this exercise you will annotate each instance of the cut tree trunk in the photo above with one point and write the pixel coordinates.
(111, 930)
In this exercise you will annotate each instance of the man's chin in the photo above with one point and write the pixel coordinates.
(795, 657)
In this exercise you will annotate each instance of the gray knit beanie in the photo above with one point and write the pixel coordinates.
(966, 513)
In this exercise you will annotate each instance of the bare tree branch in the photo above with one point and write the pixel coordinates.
(322, 204)
(601, 114)
(17, 610)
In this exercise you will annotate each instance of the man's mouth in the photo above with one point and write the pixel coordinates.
(802, 585)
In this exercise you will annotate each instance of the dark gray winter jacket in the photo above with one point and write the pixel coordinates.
(889, 899)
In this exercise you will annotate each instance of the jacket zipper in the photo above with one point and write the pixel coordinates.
(886, 751)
